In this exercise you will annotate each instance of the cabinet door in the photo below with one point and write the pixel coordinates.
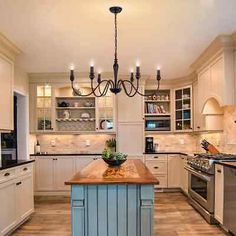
(219, 192)
(129, 109)
(44, 173)
(217, 80)
(64, 170)
(174, 171)
(6, 91)
(7, 206)
(130, 138)
(184, 174)
(25, 198)
(204, 87)
(83, 161)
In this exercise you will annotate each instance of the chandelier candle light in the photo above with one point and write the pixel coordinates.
(116, 85)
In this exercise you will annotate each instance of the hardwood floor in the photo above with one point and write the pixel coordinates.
(173, 217)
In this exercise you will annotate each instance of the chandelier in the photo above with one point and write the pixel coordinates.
(100, 88)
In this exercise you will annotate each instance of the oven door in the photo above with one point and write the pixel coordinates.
(201, 188)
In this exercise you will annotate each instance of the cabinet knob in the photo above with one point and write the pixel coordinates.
(19, 183)
(198, 127)
(219, 171)
(54, 159)
(156, 167)
(25, 169)
(95, 158)
(7, 174)
(155, 157)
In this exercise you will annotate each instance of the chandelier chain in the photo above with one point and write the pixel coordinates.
(115, 36)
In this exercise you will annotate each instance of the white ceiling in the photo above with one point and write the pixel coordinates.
(171, 33)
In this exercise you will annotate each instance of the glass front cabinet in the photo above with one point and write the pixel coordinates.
(41, 108)
(183, 109)
(54, 108)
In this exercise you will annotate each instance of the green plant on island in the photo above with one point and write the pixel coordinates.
(108, 154)
(111, 144)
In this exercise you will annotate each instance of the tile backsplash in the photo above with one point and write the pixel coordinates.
(72, 143)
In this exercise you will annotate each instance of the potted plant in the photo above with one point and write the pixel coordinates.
(111, 144)
(113, 158)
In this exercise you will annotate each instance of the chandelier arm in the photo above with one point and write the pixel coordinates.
(101, 94)
(125, 89)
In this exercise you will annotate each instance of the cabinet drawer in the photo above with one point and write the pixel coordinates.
(162, 181)
(6, 175)
(157, 167)
(24, 169)
(159, 157)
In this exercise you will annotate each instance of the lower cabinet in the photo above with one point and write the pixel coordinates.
(52, 172)
(219, 193)
(16, 197)
(7, 206)
(169, 170)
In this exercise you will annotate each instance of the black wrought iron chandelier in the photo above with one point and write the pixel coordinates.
(130, 87)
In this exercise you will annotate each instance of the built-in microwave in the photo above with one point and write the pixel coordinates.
(158, 123)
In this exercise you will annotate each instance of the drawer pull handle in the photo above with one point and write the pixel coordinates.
(7, 174)
(219, 171)
(25, 169)
(156, 157)
(19, 183)
(95, 158)
(54, 159)
(155, 167)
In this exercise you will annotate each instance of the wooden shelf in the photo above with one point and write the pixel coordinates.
(74, 97)
(157, 101)
(74, 108)
(157, 114)
(75, 119)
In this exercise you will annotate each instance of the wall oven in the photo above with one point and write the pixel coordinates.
(157, 123)
(201, 191)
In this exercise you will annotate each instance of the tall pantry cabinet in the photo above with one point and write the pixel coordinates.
(8, 53)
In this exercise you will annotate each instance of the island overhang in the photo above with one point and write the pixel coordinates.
(133, 171)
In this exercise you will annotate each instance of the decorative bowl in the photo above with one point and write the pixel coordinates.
(113, 162)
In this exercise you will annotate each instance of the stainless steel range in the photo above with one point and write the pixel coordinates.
(201, 169)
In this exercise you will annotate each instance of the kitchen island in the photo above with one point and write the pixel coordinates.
(113, 200)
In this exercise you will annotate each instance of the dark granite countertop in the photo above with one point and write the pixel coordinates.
(231, 164)
(165, 152)
(67, 154)
(13, 163)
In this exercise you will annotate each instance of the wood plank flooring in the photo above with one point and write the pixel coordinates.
(173, 217)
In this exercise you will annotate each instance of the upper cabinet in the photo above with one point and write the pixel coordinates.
(54, 108)
(183, 109)
(216, 75)
(8, 52)
(6, 103)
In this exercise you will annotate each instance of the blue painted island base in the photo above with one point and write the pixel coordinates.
(112, 210)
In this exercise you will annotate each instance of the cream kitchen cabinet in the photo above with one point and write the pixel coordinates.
(174, 171)
(130, 138)
(216, 80)
(219, 193)
(158, 165)
(129, 109)
(52, 172)
(83, 161)
(63, 171)
(6, 90)
(16, 197)
(184, 174)
(8, 206)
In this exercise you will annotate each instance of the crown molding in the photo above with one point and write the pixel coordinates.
(219, 44)
(8, 48)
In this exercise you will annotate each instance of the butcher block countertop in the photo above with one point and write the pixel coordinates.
(98, 172)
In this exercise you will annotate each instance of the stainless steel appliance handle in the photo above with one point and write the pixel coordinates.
(198, 173)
